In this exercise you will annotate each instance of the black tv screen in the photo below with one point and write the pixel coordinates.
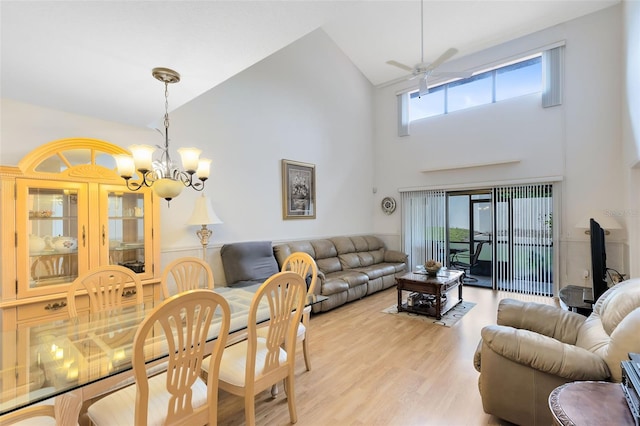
(598, 260)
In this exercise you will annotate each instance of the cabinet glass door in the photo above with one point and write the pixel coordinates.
(126, 226)
(54, 233)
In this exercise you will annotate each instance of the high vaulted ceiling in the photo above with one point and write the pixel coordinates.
(95, 57)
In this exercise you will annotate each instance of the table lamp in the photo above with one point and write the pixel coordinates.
(204, 215)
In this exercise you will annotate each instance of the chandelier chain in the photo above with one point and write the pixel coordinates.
(166, 105)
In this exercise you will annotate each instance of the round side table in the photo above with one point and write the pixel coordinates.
(590, 403)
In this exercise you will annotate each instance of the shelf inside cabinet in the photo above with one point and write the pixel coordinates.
(51, 253)
(128, 246)
(43, 282)
(125, 217)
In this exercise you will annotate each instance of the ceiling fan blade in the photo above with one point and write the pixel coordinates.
(444, 57)
(399, 65)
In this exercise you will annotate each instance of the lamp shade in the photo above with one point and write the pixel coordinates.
(203, 213)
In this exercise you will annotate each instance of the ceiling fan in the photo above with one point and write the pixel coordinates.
(423, 70)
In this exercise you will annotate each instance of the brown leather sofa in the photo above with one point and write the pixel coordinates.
(536, 348)
(349, 268)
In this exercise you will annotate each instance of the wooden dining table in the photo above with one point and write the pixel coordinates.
(91, 354)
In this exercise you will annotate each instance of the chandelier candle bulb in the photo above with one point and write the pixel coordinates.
(142, 156)
(126, 165)
(203, 168)
(189, 158)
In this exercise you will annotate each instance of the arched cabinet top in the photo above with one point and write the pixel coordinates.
(73, 158)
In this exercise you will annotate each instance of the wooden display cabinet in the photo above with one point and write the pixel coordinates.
(64, 211)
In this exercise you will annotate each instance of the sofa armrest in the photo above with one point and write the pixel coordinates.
(544, 319)
(394, 256)
(544, 353)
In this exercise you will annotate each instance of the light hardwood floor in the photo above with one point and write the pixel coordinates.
(372, 368)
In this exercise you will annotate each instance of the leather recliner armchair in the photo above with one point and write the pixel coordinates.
(535, 348)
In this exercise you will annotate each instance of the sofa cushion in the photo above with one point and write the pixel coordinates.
(374, 242)
(333, 286)
(248, 261)
(282, 251)
(329, 265)
(378, 255)
(349, 260)
(323, 249)
(377, 271)
(353, 278)
(343, 245)
(366, 258)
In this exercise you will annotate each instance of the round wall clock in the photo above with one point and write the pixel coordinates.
(388, 205)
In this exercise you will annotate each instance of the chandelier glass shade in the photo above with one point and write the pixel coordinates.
(167, 180)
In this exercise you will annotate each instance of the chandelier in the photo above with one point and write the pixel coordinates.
(167, 180)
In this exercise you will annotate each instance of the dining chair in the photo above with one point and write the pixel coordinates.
(178, 395)
(51, 266)
(63, 412)
(107, 286)
(187, 273)
(255, 364)
(304, 265)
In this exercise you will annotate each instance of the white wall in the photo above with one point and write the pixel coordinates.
(306, 103)
(580, 140)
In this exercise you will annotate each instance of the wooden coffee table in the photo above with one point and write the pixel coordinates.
(436, 286)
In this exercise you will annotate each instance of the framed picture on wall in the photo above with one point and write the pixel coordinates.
(298, 190)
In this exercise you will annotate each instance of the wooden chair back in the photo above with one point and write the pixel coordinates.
(257, 363)
(182, 322)
(65, 411)
(187, 273)
(52, 266)
(304, 265)
(108, 287)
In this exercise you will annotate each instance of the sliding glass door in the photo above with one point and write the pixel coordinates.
(469, 229)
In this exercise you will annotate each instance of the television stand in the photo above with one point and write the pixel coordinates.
(572, 296)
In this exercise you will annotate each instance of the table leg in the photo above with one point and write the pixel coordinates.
(438, 304)
(399, 299)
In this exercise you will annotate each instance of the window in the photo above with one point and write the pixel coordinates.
(508, 81)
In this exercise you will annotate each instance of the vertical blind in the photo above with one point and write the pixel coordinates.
(423, 226)
(523, 217)
(522, 234)
(552, 76)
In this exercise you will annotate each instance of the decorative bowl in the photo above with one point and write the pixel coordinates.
(432, 267)
(433, 270)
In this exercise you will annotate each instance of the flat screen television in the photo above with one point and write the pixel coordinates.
(598, 260)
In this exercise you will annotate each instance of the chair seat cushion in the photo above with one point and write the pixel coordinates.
(119, 407)
(234, 361)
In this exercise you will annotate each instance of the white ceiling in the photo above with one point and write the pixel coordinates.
(95, 57)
